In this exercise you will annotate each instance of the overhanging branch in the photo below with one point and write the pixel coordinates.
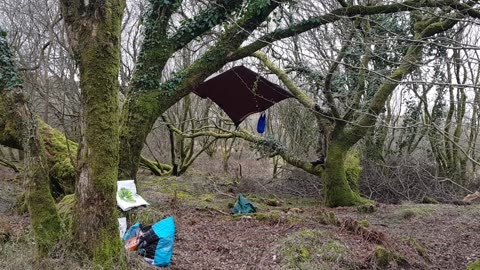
(347, 12)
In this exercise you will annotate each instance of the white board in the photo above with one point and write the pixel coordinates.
(127, 197)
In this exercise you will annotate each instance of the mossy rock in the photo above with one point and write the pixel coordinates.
(273, 202)
(408, 213)
(257, 199)
(273, 217)
(474, 266)
(382, 256)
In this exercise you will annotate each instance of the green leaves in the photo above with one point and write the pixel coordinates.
(126, 195)
(9, 76)
(255, 7)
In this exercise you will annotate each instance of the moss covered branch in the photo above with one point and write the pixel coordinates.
(155, 167)
(282, 75)
(158, 46)
(142, 110)
(273, 147)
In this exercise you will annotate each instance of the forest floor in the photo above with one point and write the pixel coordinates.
(288, 232)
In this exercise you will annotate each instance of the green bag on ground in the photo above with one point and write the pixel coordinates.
(243, 206)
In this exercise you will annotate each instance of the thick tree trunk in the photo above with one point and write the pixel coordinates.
(94, 29)
(46, 223)
(18, 128)
(138, 117)
(337, 191)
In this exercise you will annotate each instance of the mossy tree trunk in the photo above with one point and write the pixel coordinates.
(336, 190)
(18, 129)
(94, 29)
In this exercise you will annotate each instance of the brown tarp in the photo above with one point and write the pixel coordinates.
(240, 92)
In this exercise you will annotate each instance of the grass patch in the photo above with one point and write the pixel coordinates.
(410, 211)
(327, 218)
(420, 249)
(315, 249)
(273, 217)
(474, 266)
(294, 219)
(384, 257)
(20, 253)
(364, 223)
(367, 208)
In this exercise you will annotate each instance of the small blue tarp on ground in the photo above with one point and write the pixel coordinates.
(243, 206)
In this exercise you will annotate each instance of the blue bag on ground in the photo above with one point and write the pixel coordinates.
(243, 206)
(156, 244)
(134, 231)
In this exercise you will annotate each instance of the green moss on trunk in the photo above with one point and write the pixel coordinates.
(337, 190)
(60, 153)
(18, 129)
(45, 220)
(46, 223)
(138, 116)
(95, 38)
(110, 252)
(65, 212)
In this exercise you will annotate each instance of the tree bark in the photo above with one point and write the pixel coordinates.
(94, 33)
(336, 190)
(18, 128)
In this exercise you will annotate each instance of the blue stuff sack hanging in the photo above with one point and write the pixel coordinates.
(262, 123)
